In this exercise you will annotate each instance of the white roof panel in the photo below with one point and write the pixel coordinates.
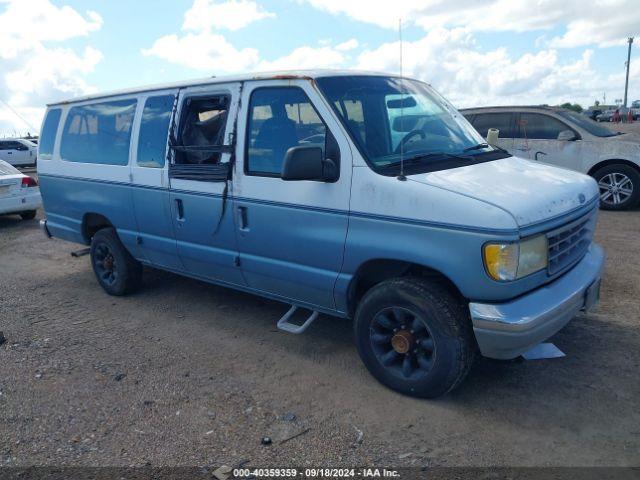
(310, 74)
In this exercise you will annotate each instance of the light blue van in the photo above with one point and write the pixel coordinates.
(364, 196)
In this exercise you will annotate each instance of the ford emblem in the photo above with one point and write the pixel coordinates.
(582, 198)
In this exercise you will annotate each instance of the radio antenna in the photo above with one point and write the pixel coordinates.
(401, 177)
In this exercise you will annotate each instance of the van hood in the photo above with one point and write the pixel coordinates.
(530, 192)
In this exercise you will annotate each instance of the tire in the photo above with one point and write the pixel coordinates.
(437, 334)
(28, 215)
(117, 272)
(627, 179)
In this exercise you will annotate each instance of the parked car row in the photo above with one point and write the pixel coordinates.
(566, 139)
(19, 193)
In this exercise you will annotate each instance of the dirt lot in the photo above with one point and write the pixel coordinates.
(185, 373)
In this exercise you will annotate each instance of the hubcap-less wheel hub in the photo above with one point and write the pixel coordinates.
(402, 342)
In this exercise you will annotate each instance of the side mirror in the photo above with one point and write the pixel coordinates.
(567, 136)
(308, 163)
(302, 163)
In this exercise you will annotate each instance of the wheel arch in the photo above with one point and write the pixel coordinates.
(91, 223)
(374, 271)
(612, 161)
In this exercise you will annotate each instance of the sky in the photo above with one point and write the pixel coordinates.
(475, 52)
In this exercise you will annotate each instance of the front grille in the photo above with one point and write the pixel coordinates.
(569, 243)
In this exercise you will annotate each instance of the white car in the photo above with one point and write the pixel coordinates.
(563, 138)
(19, 193)
(18, 151)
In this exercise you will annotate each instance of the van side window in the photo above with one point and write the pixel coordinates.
(203, 122)
(538, 126)
(48, 134)
(98, 133)
(280, 118)
(502, 121)
(154, 131)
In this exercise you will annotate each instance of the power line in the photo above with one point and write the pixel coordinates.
(18, 115)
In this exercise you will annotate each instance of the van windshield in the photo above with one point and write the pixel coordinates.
(390, 118)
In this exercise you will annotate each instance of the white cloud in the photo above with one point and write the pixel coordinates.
(350, 44)
(452, 62)
(202, 48)
(601, 22)
(203, 51)
(383, 14)
(34, 72)
(231, 15)
(24, 25)
(305, 58)
(51, 74)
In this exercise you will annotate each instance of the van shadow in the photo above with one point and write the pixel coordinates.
(257, 315)
(599, 367)
(594, 348)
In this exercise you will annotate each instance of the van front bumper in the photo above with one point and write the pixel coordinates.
(506, 330)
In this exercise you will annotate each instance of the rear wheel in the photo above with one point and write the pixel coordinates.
(28, 215)
(118, 273)
(619, 186)
(414, 337)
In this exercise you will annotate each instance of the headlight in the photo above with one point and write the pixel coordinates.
(510, 261)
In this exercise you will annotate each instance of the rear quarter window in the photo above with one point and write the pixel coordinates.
(98, 133)
(48, 133)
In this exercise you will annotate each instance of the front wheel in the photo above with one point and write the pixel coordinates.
(619, 186)
(414, 337)
(118, 273)
(28, 215)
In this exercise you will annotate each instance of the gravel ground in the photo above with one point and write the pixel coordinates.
(185, 373)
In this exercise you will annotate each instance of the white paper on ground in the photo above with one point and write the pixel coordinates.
(543, 350)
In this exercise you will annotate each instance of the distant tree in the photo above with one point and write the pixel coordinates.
(572, 106)
(596, 103)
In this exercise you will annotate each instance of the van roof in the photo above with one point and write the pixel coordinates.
(292, 74)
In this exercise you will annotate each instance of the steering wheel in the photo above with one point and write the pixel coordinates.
(408, 137)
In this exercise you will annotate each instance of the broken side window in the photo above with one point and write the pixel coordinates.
(202, 131)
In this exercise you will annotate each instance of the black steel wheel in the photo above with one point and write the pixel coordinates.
(414, 336)
(402, 343)
(117, 271)
(105, 265)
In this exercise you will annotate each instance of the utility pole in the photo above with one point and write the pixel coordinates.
(626, 83)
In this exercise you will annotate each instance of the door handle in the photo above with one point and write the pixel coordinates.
(243, 219)
(179, 210)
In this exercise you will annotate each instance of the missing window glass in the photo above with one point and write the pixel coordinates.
(202, 131)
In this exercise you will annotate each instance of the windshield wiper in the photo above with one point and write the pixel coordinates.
(443, 156)
(479, 146)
